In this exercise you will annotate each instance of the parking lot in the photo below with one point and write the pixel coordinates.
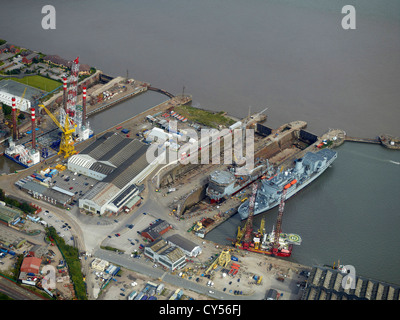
(63, 228)
(73, 182)
(128, 237)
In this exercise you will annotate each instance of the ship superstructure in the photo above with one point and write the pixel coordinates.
(26, 157)
(226, 183)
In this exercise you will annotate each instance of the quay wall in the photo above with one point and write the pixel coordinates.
(195, 196)
(171, 174)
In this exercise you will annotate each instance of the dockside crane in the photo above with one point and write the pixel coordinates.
(68, 128)
(246, 232)
(278, 230)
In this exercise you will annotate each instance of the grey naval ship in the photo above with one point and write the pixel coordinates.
(305, 170)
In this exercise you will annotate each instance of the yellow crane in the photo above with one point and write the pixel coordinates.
(67, 142)
(222, 260)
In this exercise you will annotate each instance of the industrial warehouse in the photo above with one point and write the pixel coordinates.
(118, 164)
(169, 256)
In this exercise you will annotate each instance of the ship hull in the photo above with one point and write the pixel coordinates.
(243, 212)
(285, 253)
(16, 161)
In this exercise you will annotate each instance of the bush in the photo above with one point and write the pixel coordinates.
(71, 256)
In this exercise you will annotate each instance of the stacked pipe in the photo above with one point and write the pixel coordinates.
(65, 93)
(33, 126)
(84, 107)
(14, 119)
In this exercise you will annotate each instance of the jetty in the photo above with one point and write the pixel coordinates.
(362, 140)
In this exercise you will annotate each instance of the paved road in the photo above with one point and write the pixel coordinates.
(136, 265)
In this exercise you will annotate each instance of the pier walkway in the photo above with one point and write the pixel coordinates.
(363, 140)
(168, 94)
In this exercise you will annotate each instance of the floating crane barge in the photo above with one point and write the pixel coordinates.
(275, 243)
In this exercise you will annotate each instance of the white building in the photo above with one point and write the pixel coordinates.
(99, 264)
(169, 256)
(21, 104)
(119, 164)
(157, 134)
(188, 247)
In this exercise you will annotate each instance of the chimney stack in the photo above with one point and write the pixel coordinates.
(14, 119)
(65, 93)
(84, 107)
(33, 127)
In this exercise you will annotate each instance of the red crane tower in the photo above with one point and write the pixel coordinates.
(278, 229)
(248, 228)
(73, 88)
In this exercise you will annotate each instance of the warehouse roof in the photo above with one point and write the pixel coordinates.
(155, 229)
(133, 201)
(102, 168)
(8, 214)
(31, 264)
(182, 242)
(173, 253)
(158, 245)
(82, 160)
(117, 157)
(124, 196)
(161, 247)
(130, 168)
(101, 193)
(35, 187)
(103, 145)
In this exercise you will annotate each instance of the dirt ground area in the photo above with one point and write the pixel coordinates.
(131, 281)
(50, 255)
(252, 267)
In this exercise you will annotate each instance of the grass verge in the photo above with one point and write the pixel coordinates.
(207, 118)
(39, 82)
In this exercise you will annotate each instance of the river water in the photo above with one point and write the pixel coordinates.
(288, 55)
